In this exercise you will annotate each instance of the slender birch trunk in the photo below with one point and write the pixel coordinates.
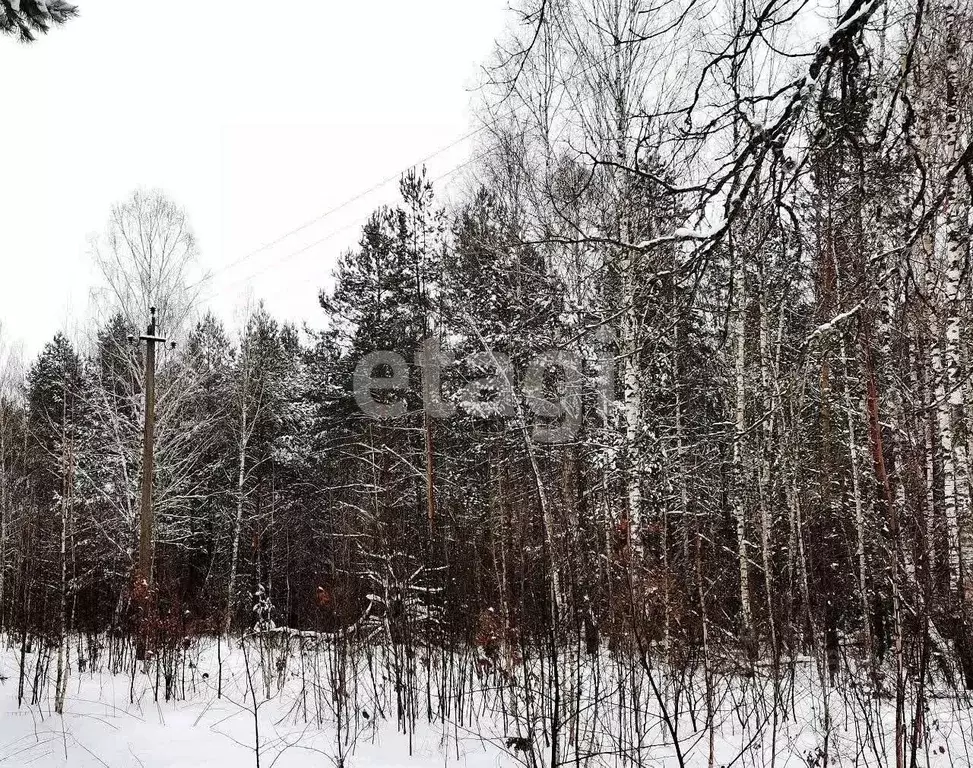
(632, 402)
(67, 494)
(740, 425)
(765, 490)
(684, 515)
(238, 521)
(944, 433)
(957, 216)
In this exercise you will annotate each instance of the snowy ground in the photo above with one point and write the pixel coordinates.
(297, 723)
(101, 727)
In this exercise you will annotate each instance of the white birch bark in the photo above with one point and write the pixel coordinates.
(767, 448)
(740, 425)
(247, 400)
(67, 494)
(238, 520)
(632, 402)
(954, 424)
(944, 430)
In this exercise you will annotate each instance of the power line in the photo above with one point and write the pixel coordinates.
(341, 206)
(333, 233)
(375, 187)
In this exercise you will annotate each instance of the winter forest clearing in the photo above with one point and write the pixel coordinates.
(273, 700)
(642, 440)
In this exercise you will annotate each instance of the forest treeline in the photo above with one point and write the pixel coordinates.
(748, 224)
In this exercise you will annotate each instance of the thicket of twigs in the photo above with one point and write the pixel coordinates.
(698, 397)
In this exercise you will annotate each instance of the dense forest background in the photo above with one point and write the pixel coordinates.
(733, 238)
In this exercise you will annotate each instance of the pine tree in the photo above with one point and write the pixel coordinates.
(55, 423)
(27, 18)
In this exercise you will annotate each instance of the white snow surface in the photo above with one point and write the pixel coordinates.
(117, 719)
(101, 727)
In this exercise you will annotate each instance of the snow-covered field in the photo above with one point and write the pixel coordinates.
(319, 707)
(116, 720)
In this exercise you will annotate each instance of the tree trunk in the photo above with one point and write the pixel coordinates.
(3, 513)
(238, 521)
(740, 426)
(859, 502)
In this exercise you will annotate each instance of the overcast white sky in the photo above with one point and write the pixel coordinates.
(255, 121)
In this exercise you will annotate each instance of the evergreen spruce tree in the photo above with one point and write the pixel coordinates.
(28, 18)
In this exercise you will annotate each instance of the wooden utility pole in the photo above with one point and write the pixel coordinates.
(147, 517)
